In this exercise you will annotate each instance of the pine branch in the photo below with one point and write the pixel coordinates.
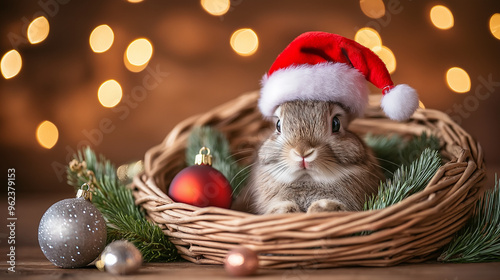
(479, 239)
(392, 151)
(386, 150)
(125, 220)
(222, 160)
(414, 148)
(406, 181)
(148, 238)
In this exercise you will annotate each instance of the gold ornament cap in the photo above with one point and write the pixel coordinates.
(84, 193)
(203, 158)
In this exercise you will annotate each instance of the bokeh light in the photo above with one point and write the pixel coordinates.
(421, 104)
(110, 93)
(135, 1)
(131, 67)
(458, 80)
(11, 64)
(38, 30)
(139, 52)
(47, 134)
(495, 25)
(372, 8)
(387, 57)
(216, 7)
(368, 37)
(441, 17)
(101, 38)
(244, 41)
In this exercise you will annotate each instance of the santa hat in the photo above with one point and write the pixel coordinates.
(328, 67)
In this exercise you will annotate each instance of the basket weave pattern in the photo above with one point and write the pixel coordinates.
(410, 231)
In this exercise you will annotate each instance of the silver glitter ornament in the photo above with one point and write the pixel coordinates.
(120, 257)
(72, 232)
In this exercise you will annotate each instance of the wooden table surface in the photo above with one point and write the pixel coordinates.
(31, 264)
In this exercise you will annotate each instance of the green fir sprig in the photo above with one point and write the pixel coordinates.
(393, 151)
(124, 219)
(406, 181)
(479, 239)
(222, 160)
(415, 147)
(387, 150)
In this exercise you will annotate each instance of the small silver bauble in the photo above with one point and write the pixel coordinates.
(72, 232)
(120, 257)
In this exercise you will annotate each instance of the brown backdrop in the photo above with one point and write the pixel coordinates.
(196, 70)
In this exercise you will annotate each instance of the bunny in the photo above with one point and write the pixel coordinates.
(311, 163)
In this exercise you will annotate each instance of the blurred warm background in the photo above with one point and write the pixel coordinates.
(118, 75)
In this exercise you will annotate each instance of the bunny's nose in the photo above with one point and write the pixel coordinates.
(310, 154)
(306, 156)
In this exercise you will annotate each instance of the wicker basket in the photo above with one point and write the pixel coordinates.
(411, 231)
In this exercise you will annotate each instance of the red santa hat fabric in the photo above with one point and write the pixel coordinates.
(328, 67)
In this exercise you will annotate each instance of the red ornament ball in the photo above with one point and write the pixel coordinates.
(241, 261)
(202, 186)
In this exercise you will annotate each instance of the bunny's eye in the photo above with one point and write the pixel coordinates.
(278, 126)
(335, 124)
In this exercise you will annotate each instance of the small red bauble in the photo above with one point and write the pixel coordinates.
(241, 261)
(201, 185)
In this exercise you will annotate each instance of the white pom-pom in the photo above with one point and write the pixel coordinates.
(400, 102)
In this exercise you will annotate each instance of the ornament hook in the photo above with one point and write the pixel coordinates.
(85, 193)
(203, 159)
(204, 149)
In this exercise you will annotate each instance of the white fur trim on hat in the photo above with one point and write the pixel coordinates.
(328, 81)
(400, 102)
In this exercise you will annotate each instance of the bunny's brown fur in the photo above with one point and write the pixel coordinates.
(307, 167)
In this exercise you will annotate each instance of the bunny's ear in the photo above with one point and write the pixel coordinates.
(277, 112)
